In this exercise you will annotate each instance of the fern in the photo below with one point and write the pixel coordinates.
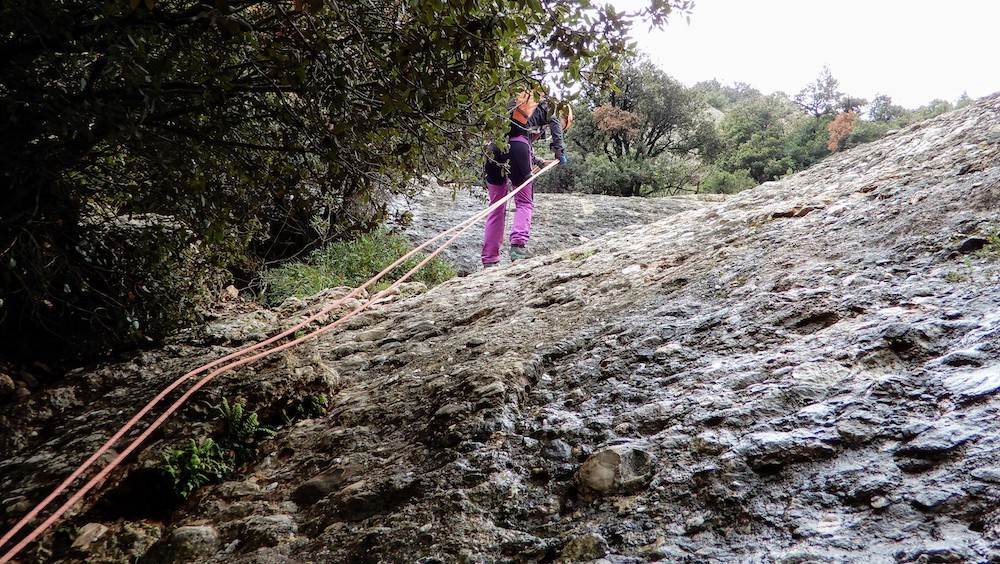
(200, 463)
(311, 407)
(242, 429)
(205, 461)
(314, 406)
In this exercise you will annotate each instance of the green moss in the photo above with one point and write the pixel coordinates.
(577, 256)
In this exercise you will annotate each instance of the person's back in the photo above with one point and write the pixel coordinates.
(529, 118)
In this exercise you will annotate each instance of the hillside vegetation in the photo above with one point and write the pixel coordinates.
(656, 137)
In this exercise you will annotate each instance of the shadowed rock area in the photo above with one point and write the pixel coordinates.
(804, 372)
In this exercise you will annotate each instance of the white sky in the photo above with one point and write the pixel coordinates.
(914, 51)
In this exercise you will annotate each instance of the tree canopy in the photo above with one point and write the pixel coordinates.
(156, 146)
(644, 137)
(821, 97)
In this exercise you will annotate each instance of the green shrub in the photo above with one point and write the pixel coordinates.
(352, 263)
(865, 132)
(560, 180)
(993, 241)
(654, 176)
(719, 181)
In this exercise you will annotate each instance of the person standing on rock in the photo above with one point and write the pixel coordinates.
(531, 112)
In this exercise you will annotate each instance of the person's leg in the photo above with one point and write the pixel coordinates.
(493, 232)
(496, 185)
(524, 204)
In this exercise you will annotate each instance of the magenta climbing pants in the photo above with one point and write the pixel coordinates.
(520, 160)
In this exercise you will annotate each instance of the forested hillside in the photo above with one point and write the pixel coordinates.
(656, 137)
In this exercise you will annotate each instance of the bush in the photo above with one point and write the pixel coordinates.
(665, 175)
(352, 263)
(560, 180)
(866, 132)
(719, 181)
(599, 175)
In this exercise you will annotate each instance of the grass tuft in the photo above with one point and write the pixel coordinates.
(352, 263)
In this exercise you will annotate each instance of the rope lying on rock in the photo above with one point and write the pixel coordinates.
(224, 364)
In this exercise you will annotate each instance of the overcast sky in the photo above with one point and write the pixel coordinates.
(914, 51)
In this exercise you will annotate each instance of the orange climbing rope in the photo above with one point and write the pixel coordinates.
(225, 364)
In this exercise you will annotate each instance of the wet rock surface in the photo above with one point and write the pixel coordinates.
(559, 222)
(803, 372)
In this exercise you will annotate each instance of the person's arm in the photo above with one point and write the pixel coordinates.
(555, 127)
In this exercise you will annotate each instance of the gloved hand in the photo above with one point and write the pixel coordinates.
(560, 156)
(562, 159)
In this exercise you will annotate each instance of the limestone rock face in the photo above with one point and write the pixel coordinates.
(560, 221)
(803, 372)
(616, 469)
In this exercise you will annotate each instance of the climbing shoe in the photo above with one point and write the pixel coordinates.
(518, 252)
(490, 264)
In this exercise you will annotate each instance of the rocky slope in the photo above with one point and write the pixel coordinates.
(804, 372)
(560, 221)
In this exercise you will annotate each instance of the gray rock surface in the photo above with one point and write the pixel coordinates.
(803, 372)
(622, 468)
(559, 222)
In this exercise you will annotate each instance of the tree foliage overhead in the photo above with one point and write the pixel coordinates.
(153, 145)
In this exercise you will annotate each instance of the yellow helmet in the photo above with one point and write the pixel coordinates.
(566, 116)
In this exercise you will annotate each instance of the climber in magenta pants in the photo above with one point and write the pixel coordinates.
(506, 170)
